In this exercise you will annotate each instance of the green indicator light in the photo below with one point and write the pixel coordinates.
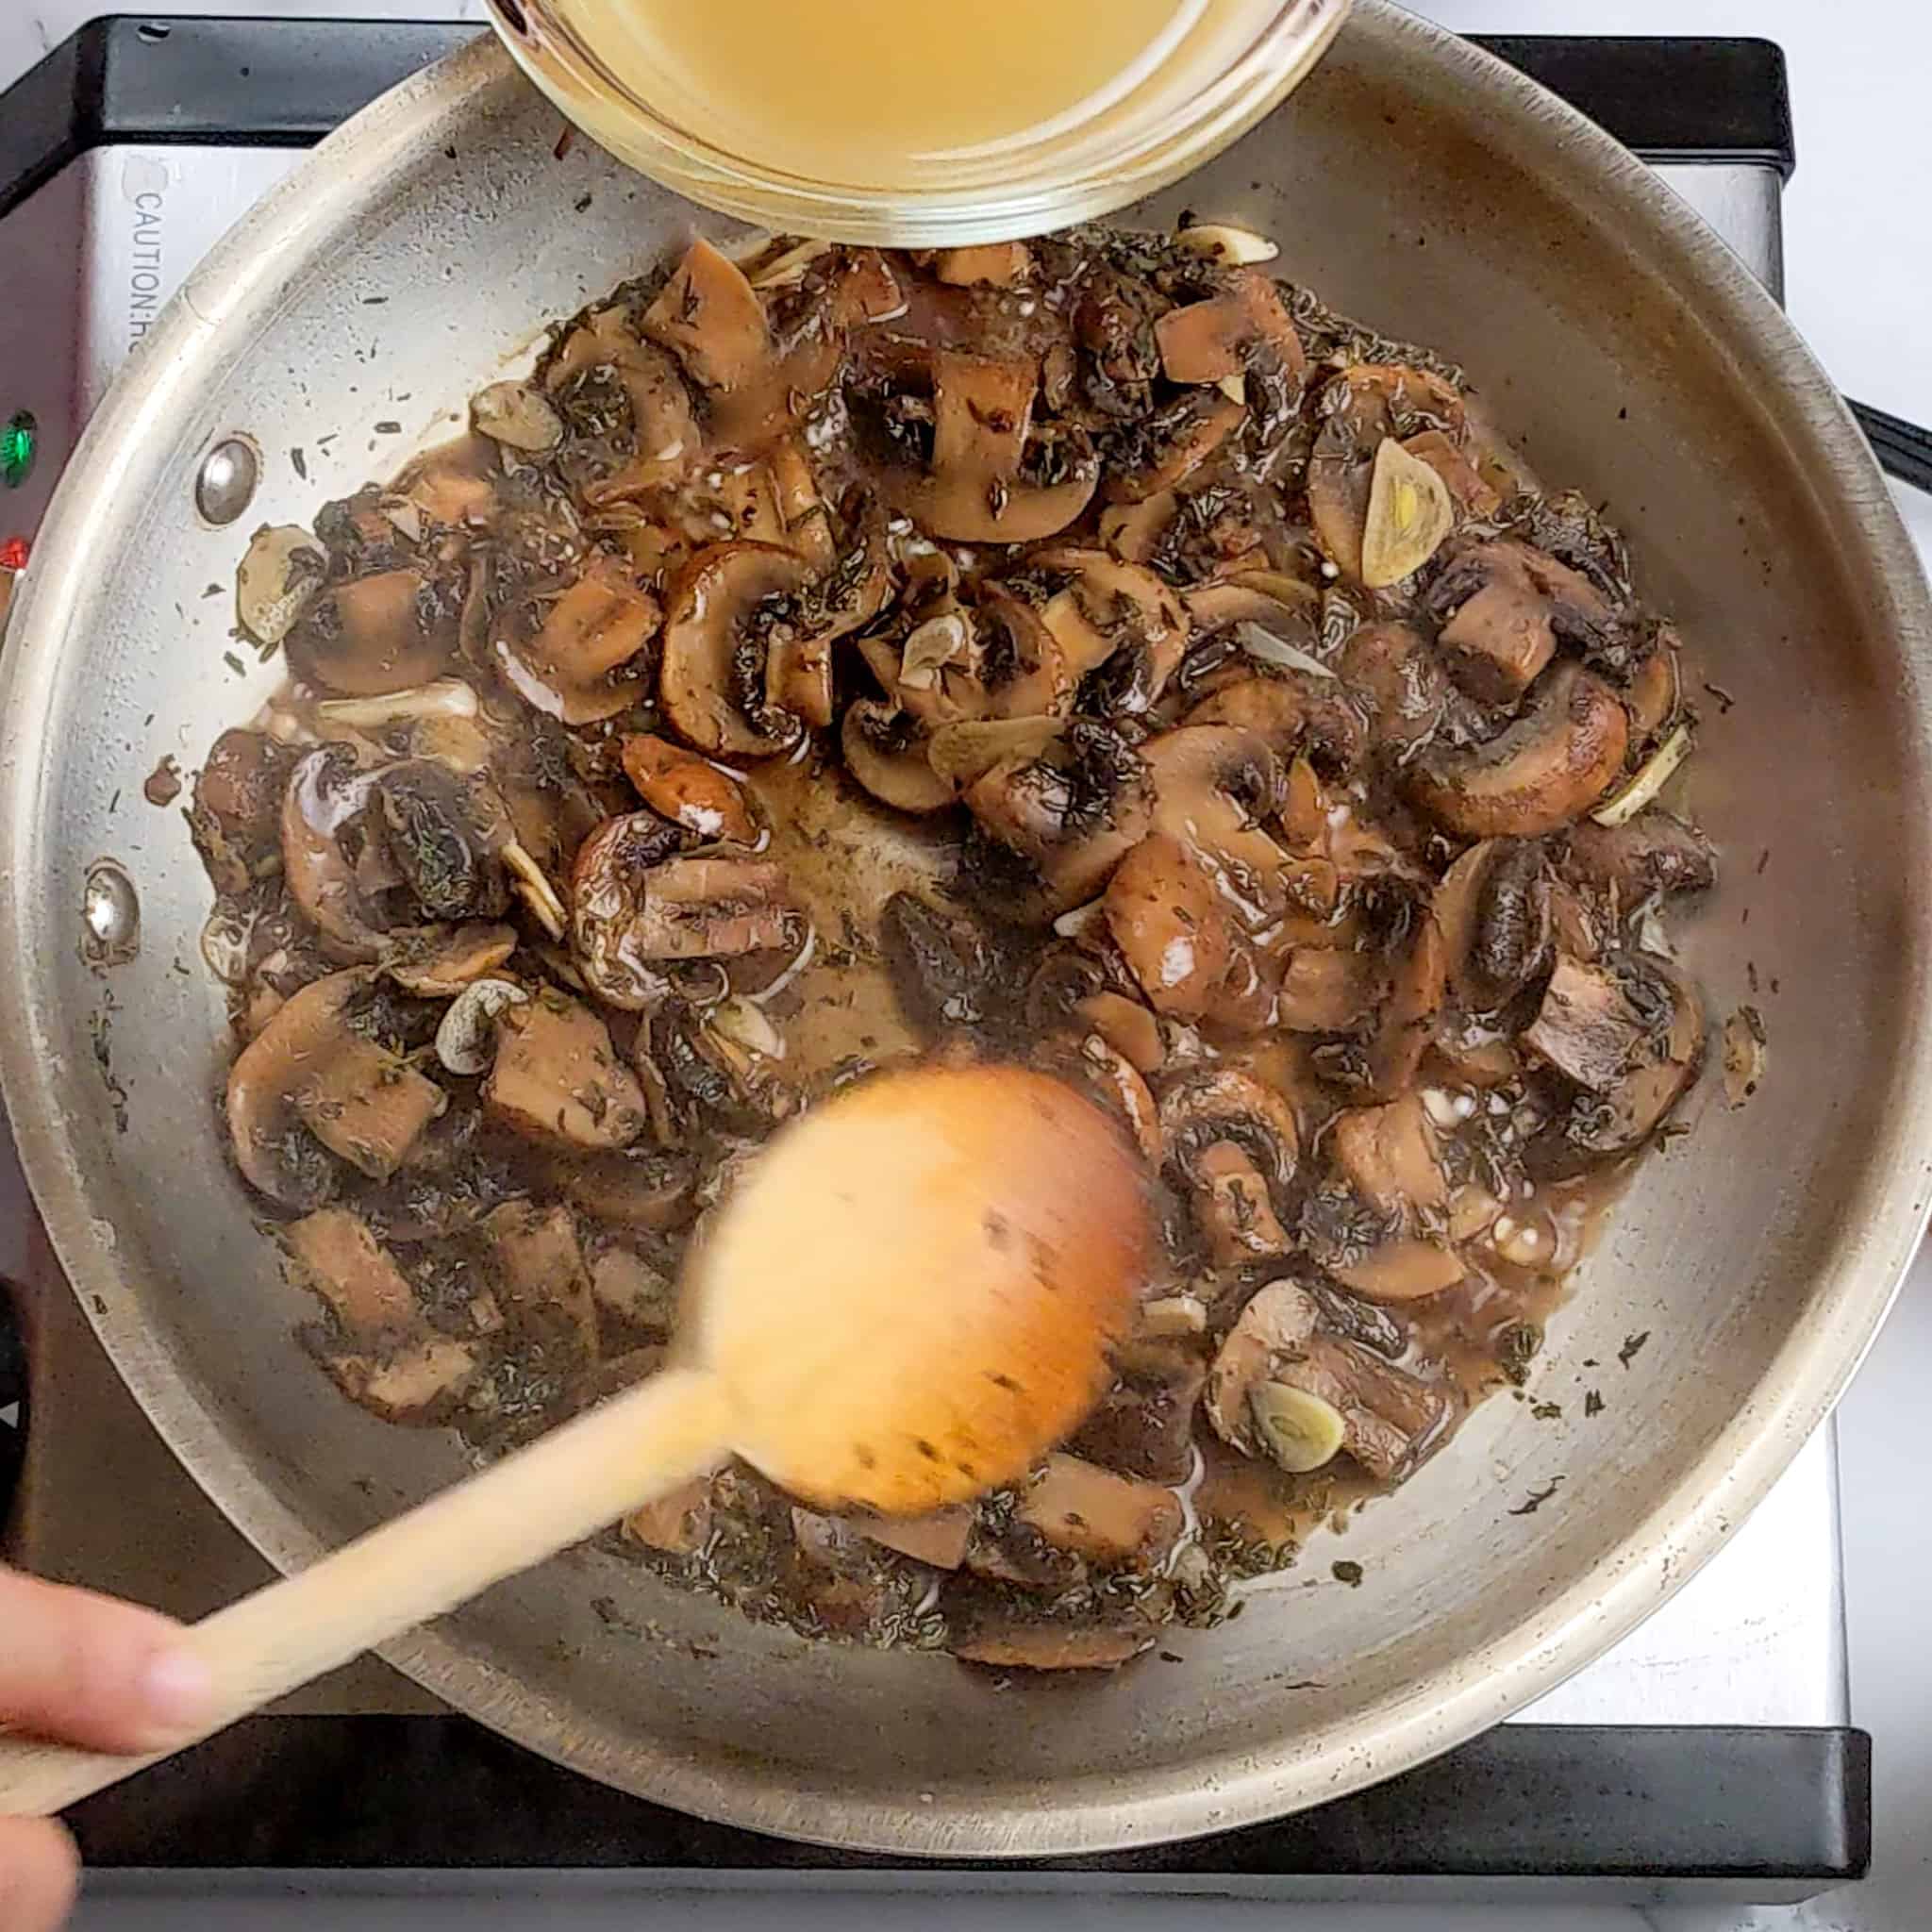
(20, 443)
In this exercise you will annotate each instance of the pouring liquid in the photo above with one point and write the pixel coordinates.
(882, 93)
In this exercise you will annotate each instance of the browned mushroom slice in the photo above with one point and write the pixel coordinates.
(1387, 1419)
(1234, 1143)
(437, 962)
(1388, 1155)
(1022, 672)
(310, 1075)
(993, 1628)
(376, 634)
(1505, 605)
(638, 910)
(1636, 1029)
(938, 1541)
(1653, 853)
(976, 489)
(1654, 692)
(1075, 812)
(582, 666)
(1545, 771)
(1493, 907)
(631, 1292)
(1210, 341)
(710, 317)
(1216, 786)
(348, 1269)
(1126, 1027)
(1328, 989)
(888, 750)
(1170, 926)
(637, 1188)
(1472, 490)
(689, 790)
(679, 1524)
(236, 818)
(711, 625)
(944, 966)
(1115, 623)
(1362, 407)
(1144, 1425)
(629, 427)
(1105, 1520)
(1393, 668)
(991, 264)
(540, 1275)
(557, 1078)
(1166, 448)
(419, 1384)
(1417, 987)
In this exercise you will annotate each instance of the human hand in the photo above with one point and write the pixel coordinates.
(87, 1670)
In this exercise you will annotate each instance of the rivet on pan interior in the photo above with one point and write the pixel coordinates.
(111, 914)
(225, 487)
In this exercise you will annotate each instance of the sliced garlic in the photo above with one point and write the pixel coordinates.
(785, 270)
(1654, 772)
(535, 890)
(1258, 641)
(466, 1038)
(448, 697)
(1223, 241)
(1409, 514)
(1082, 919)
(962, 753)
(1744, 1055)
(746, 1025)
(283, 569)
(516, 414)
(1300, 1431)
(938, 641)
(1235, 388)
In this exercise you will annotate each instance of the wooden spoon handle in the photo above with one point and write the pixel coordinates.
(569, 1485)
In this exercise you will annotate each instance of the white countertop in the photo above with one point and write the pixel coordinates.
(1860, 285)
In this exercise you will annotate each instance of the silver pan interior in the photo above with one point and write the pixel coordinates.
(1419, 185)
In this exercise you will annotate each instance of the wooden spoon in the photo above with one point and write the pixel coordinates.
(907, 1301)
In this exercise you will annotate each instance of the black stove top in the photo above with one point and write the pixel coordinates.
(1757, 1811)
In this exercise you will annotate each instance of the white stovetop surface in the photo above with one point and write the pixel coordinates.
(1859, 267)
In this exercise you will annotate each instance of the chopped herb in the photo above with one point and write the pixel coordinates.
(1537, 1498)
(1592, 1402)
(1633, 1346)
(1348, 1572)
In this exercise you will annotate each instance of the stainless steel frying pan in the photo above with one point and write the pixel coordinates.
(1416, 183)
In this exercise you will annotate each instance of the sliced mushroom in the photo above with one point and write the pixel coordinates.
(1391, 668)
(236, 817)
(1493, 907)
(1541, 774)
(557, 1078)
(420, 1385)
(710, 317)
(1235, 1144)
(348, 1269)
(312, 1085)
(1365, 407)
(1389, 1156)
(1390, 1419)
(629, 426)
(376, 634)
(888, 751)
(1117, 624)
(1106, 1521)
(635, 914)
(1165, 448)
(690, 792)
(583, 665)
(633, 1291)
(1126, 1027)
(975, 489)
(992, 1628)
(945, 965)
(991, 264)
(636, 1188)
(1505, 604)
(445, 834)
(1144, 1425)
(437, 962)
(712, 629)
(1216, 787)
(1074, 813)
(1174, 933)
(541, 1279)
(518, 416)
(939, 1540)
(679, 1523)
(1111, 1081)
(1651, 854)
(1208, 341)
